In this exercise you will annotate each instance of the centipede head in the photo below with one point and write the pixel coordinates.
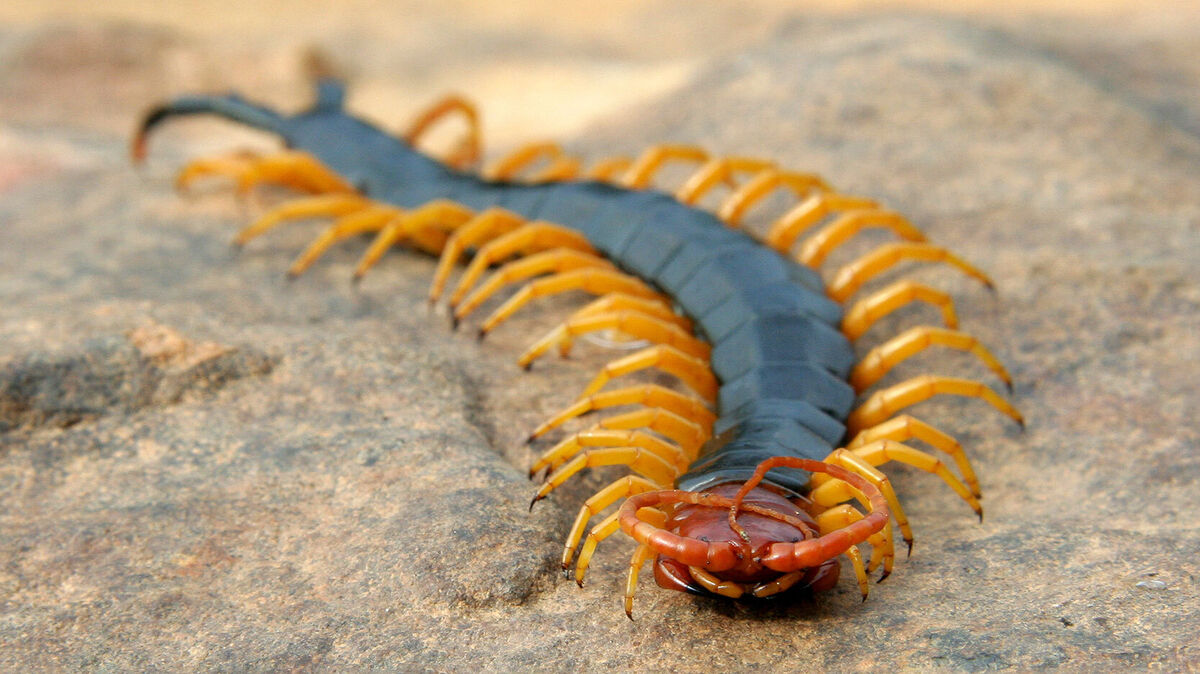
(749, 576)
(735, 540)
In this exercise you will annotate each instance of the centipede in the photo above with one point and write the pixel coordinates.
(754, 460)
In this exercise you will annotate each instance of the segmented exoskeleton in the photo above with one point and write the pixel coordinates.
(760, 340)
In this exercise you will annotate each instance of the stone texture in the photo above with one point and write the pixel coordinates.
(203, 465)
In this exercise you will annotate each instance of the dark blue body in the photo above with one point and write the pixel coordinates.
(777, 350)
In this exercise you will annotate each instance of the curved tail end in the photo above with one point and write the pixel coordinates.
(230, 107)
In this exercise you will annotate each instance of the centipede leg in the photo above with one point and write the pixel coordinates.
(427, 226)
(630, 323)
(652, 396)
(883, 404)
(850, 278)
(609, 169)
(619, 430)
(295, 169)
(616, 301)
(722, 170)
(789, 226)
(596, 280)
(734, 207)
(607, 527)
(620, 489)
(641, 172)
(904, 428)
(561, 166)
(640, 555)
(866, 311)
(820, 245)
(370, 219)
(828, 491)
(484, 227)
(530, 237)
(605, 437)
(882, 451)
(229, 165)
(329, 205)
(557, 260)
(882, 547)
(880, 360)
(692, 371)
(470, 148)
(642, 461)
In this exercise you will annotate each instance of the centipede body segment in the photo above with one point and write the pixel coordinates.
(760, 470)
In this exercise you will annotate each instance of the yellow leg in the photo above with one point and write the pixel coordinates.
(426, 226)
(880, 360)
(370, 219)
(330, 205)
(650, 395)
(883, 404)
(880, 452)
(816, 249)
(557, 261)
(875, 306)
(470, 148)
(725, 169)
(622, 302)
(609, 170)
(510, 166)
(828, 491)
(298, 170)
(904, 428)
(850, 278)
(225, 166)
(607, 527)
(882, 547)
(486, 226)
(640, 555)
(622, 488)
(784, 231)
(693, 372)
(735, 206)
(605, 437)
(596, 281)
(631, 323)
(641, 461)
(688, 434)
(641, 173)
(530, 237)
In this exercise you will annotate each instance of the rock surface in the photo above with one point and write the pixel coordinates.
(204, 466)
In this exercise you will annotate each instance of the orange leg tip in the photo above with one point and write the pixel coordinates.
(481, 334)
(883, 576)
(453, 322)
(910, 542)
(536, 498)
